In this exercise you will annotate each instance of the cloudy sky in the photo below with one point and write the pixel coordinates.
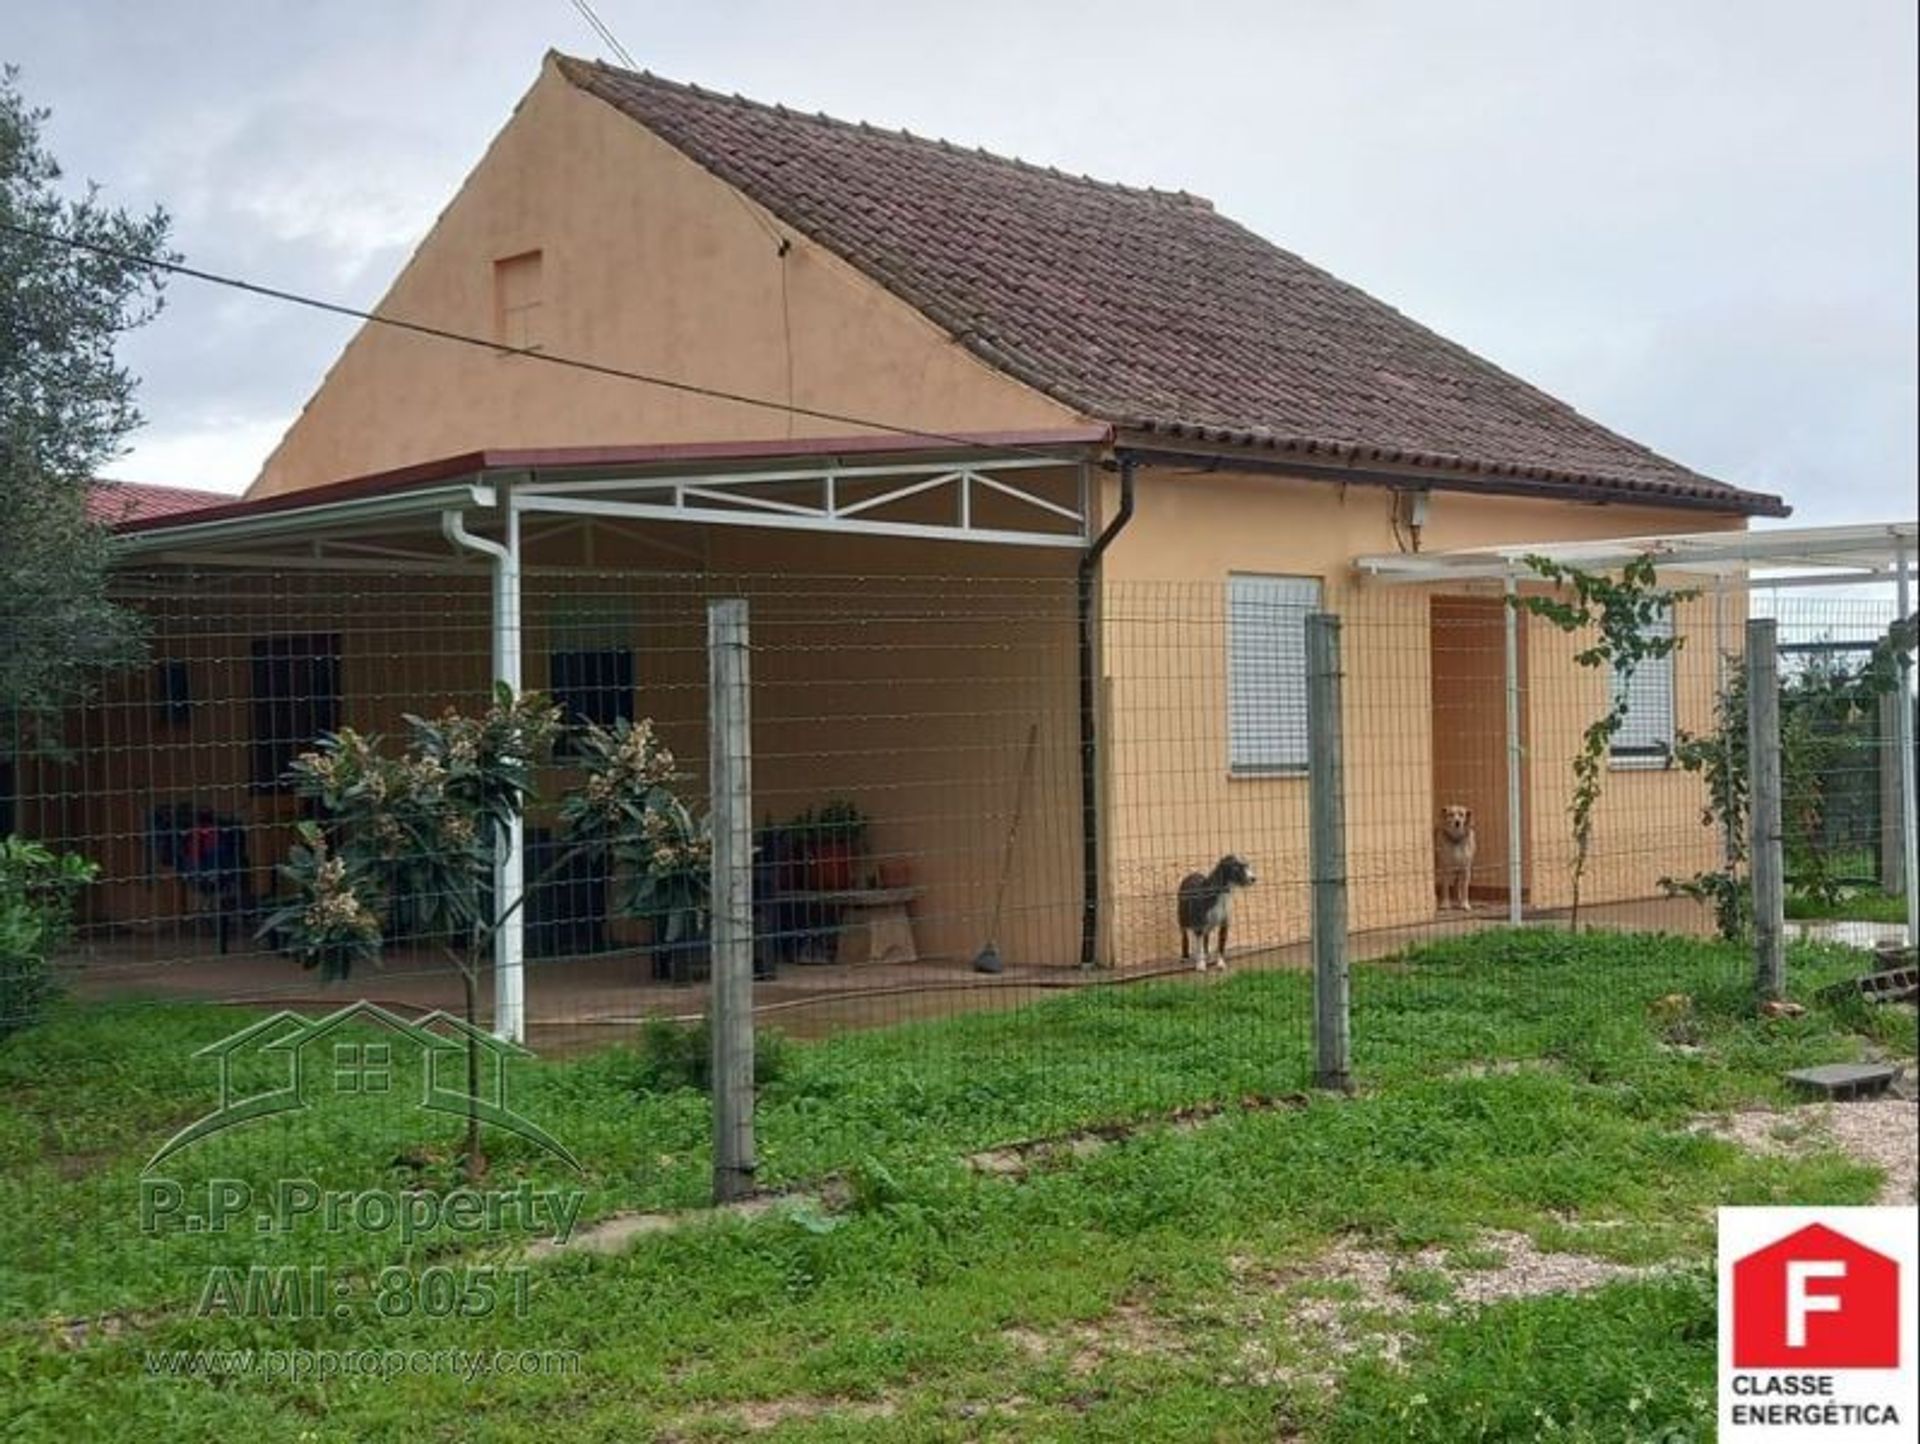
(1693, 219)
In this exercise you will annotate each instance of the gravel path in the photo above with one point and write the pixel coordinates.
(1882, 1132)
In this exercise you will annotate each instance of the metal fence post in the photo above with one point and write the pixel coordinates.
(1768, 863)
(1327, 848)
(730, 1011)
(1892, 841)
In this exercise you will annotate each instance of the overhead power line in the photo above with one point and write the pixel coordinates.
(546, 358)
(607, 37)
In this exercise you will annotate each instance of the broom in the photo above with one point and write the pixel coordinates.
(987, 960)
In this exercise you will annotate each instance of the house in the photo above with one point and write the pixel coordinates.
(1091, 451)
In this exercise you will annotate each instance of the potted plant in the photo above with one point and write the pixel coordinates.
(836, 834)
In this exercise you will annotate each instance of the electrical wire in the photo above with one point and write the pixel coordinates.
(597, 368)
(607, 37)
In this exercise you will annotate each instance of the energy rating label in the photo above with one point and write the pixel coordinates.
(1817, 1326)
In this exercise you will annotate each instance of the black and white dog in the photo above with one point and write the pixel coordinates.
(1206, 908)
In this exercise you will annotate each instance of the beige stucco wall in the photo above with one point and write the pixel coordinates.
(1173, 806)
(650, 264)
(1648, 824)
(904, 676)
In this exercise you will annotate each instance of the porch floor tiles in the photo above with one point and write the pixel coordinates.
(581, 1002)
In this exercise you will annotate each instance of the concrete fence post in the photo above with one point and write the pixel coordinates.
(1327, 855)
(1769, 862)
(1903, 740)
(1892, 871)
(730, 1009)
(1516, 798)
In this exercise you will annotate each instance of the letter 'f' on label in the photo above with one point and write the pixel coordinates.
(1801, 1303)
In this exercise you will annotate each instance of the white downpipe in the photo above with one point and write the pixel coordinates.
(1516, 864)
(1903, 739)
(509, 868)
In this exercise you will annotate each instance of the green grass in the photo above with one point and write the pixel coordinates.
(1862, 904)
(1516, 1081)
(1631, 1361)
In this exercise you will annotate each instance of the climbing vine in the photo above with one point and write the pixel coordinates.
(1622, 614)
(1719, 759)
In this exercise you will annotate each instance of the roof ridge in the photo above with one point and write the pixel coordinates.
(572, 65)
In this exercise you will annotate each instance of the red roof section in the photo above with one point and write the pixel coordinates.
(1143, 308)
(121, 503)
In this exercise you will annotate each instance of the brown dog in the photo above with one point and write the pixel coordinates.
(1454, 844)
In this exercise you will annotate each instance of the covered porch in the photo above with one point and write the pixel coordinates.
(914, 642)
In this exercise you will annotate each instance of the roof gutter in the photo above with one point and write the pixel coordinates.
(293, 523)
(1089, 720)
(1467, 483)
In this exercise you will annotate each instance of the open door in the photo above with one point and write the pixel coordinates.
(1469, 712)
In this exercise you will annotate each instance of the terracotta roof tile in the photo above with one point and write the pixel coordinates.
(119, 503)
(1142, 308)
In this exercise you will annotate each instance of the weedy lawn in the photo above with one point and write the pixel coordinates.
(1505, 1234)
(1868, 905)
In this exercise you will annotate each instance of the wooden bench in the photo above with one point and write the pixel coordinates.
(874, 925)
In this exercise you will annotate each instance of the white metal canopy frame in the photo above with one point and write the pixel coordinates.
(991, 499)
(1823, 556)
(848, 500)
(1871, 553)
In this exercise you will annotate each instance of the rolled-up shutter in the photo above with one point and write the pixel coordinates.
(1647, 732)
(1267, 671)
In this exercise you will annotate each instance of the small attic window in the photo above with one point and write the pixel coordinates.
(517, 296)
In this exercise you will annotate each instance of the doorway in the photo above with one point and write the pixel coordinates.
(1469, 718)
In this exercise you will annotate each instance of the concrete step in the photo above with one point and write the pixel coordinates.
(1843, 1081)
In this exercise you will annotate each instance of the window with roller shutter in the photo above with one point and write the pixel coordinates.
(1645, 738)
(1267, 672)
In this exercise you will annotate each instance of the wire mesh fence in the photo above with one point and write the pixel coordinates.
(1840, 737)
(926, 780)
(945, 823)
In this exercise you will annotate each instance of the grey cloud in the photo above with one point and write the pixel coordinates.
(1696, 222)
